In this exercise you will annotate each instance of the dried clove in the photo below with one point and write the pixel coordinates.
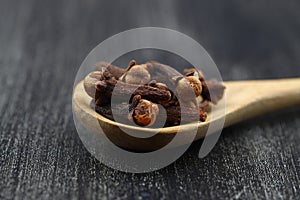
(143, 112)
(173, 113)
(136, 74)
(121, 90)
(146, 86)
(113, 70)
(212, 90)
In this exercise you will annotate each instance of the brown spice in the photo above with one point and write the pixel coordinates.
(121, 90)
(213, 91)
(173, 114)
(148, 85)
(143, 112)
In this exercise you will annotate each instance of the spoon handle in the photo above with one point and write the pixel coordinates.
(246, 99)
(280, 93)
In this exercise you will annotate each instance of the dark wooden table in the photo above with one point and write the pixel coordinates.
(42, 44)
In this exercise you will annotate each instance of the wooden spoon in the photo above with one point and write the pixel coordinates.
(243, 100)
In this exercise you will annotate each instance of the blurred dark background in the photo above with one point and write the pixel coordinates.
(43, 43)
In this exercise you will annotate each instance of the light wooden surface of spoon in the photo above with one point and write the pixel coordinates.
(243, 100)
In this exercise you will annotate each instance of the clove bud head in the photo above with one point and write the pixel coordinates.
(145, 113)
(187, 84)
(137, 74)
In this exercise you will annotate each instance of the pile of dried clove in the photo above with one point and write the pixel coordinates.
(149, 87)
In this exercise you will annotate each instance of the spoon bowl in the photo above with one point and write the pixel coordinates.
(243, 100)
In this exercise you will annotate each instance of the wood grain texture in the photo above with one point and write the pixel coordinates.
(42, 44)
